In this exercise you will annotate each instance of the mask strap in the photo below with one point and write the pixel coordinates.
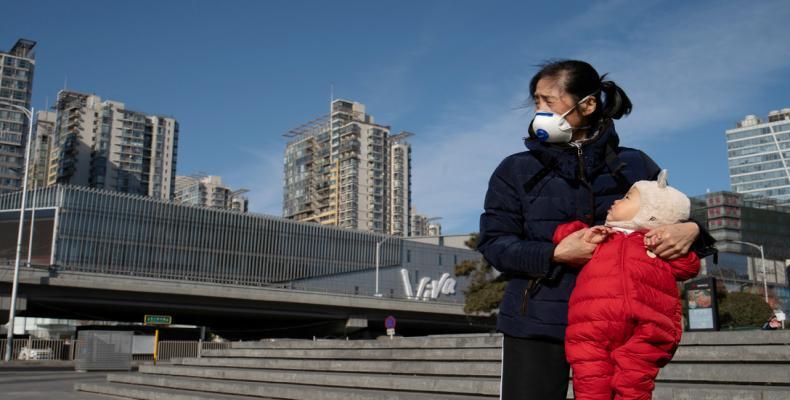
(577, 104)
(569, 111)
(574, 107)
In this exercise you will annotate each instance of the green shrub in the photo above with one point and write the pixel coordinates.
(743, 310)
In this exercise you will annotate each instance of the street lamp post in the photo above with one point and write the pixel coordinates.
(32, 213)
(14, 287)
(378, 262)
(762, 264)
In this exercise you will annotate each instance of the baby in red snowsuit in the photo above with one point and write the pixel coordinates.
(624, 317)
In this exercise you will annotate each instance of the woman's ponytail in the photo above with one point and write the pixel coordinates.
(616, 103)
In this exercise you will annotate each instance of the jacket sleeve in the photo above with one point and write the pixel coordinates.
(501, 239)
(686, 267)
(564, 230)
(705, 244)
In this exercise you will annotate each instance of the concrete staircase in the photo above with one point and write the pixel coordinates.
(719, 365)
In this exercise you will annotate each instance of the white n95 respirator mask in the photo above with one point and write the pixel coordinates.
(551, 127)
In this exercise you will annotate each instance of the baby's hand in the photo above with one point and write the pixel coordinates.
(596, 234)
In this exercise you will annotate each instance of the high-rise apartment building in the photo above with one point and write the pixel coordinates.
(339, 171)
(39, 161)
(759, 156)
(423, 225)
(209, 191)
(400, 188)
(103, 144)
(16, 87)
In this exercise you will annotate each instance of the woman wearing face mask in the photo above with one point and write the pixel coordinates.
(573, 170)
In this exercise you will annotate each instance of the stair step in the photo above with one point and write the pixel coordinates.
(436, 342)
(726, 373)
(736, 338)
(140, 392)
(364, 354)
(439, 384)
(694, 391)
(462, 368)
(665, 391)
(283, 390)
(726, 354)
(752, 353)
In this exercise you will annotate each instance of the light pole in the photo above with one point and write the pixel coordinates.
(12, 309)
(32, 210)
(378, 262)
(762, 263)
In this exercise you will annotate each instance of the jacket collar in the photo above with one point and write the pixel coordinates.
(564, 157)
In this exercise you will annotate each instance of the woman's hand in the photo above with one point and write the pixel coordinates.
(672, 241)
(574, 250)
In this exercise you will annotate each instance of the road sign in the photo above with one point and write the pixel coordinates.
(389, 322)
(158, 320)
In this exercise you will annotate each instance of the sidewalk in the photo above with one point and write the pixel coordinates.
(46, 381)
(38, 365)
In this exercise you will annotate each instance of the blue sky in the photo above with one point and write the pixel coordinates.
(237, 74)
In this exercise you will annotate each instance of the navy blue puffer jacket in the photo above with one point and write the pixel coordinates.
(522, 211)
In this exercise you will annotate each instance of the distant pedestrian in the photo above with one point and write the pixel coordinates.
(772, 324)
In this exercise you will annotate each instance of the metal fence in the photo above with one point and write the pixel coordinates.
(39, 349)
(59, 349)
(170, 349)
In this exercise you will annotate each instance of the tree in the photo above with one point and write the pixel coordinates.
(486, 287)
(743, 309)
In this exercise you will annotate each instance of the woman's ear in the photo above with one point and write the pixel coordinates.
(588, 106)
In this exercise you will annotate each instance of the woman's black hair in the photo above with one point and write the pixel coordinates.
(580, 79)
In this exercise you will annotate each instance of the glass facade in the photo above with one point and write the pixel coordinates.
(107, 232)
(758, 154)
(732, 217)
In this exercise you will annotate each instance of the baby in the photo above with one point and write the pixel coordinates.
(624, 313)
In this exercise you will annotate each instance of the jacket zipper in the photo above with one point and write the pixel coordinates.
(583, 179)
(528, 292)
(579, 154)
(626, 299)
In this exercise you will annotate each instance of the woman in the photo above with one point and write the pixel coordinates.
(574, 170)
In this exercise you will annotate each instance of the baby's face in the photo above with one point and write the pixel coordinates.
(626, 208)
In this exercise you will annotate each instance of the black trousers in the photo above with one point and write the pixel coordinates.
(534, 369)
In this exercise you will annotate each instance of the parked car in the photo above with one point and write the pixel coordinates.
(34, 354)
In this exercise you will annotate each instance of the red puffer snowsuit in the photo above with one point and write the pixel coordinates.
(624, 317)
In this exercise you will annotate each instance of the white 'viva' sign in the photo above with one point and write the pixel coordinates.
(427, 288)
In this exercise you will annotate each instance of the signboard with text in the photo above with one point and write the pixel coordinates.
(158, 320)
(702, 304)
(389, 323)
